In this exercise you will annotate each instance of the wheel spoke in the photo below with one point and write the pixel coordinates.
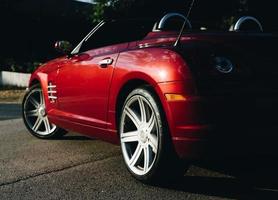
(34, 102)
(146, 158)
(151, 123)
(142, 109)
(132, 116)
(37, 124)
(130, 136)
(136, 155)
(47, 125)
(41, 98)
(153, 142)
(31, 113)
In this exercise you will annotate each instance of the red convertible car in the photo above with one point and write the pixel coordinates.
(161, 92)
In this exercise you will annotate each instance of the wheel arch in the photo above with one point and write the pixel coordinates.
(132, 84)
(125, 90)
(42, 79)
(35, 81)
(38, 78)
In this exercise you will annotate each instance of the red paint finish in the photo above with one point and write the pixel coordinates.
(81, 81)
(87, 93)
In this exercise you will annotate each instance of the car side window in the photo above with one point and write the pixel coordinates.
(116, 32)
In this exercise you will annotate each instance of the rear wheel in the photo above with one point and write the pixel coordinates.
(145, 142)
(35, 116)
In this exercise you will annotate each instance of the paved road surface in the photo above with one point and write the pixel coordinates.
(76, 167)
(9, 111)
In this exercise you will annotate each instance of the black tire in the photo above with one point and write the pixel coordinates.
(166, 165)
(30, 121)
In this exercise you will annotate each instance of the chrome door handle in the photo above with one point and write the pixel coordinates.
(105, 62)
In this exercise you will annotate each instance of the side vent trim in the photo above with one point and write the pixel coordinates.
(52, 92)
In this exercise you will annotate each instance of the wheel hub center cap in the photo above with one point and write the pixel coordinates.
(143, 136)
(42, 112)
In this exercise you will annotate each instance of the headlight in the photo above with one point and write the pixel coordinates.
(223, 64)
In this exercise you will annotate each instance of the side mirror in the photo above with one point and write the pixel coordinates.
(64, 47)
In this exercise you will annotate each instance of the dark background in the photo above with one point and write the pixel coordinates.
(29, 28)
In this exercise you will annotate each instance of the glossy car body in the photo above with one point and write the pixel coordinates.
(85, 96)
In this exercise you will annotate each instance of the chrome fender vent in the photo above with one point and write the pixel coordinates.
(52, 92)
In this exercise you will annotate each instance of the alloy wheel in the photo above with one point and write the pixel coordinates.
(35, 114)
(139, 135)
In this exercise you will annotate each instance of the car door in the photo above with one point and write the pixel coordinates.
(83, 80)
(83, 86)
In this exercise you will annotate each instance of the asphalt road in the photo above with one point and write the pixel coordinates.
(9, 111)
(76, 167)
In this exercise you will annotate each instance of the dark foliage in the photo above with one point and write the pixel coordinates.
(29, 28)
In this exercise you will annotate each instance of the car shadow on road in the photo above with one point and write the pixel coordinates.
(73, 137)
(243, 178)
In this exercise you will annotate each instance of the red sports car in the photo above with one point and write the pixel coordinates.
(159, 90)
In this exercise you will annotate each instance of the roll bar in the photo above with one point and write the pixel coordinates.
(163, 20)
(244, 19)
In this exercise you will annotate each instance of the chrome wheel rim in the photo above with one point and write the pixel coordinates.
(139, 135)
(35, 114)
